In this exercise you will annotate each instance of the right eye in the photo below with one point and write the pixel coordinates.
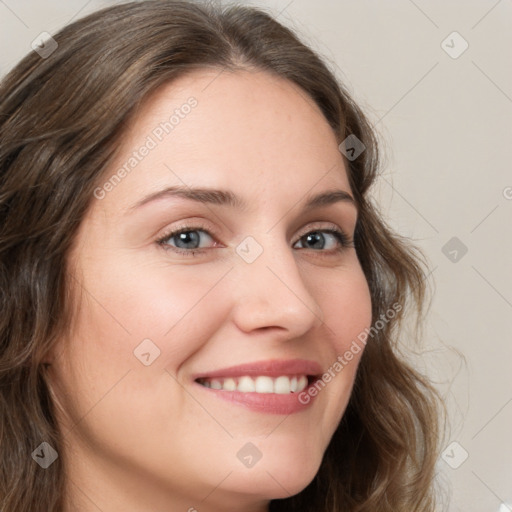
(188, 239)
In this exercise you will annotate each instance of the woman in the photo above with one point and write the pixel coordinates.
(200, 302)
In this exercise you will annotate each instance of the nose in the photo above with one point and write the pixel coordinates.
(271, 292)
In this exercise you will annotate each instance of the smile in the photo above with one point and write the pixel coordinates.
(271, 387)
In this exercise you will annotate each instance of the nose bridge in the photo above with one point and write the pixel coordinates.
(271, 290)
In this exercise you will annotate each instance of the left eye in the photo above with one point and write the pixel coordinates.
(321, 240)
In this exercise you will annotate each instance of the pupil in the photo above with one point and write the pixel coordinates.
(316, 240)
(188, 238)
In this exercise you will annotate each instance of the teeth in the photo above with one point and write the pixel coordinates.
(282, 385)
(216, 384)
(264, 385)
(246, 385)
(229, 385)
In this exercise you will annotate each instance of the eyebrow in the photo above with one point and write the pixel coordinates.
(227, 198)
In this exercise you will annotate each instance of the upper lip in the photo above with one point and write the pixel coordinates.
(270, 368)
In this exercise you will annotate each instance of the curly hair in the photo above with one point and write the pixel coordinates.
(61, 120)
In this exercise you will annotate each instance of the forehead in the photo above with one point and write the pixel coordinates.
(249, 131)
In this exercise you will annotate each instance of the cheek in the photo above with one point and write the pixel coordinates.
(347, 307)
(346, 304)
(123, 315)
(136, 301)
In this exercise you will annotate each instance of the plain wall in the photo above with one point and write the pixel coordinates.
(446, 124)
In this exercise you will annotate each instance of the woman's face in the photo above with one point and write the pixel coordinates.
(257, 296)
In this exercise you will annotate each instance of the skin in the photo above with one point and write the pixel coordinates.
(147, 437)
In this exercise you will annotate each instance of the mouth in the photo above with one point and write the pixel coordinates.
(274, 386)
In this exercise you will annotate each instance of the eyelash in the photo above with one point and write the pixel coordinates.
(344, 240)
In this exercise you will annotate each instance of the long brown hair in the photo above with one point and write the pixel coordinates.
(61, 120)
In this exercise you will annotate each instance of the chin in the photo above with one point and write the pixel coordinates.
(280, 473)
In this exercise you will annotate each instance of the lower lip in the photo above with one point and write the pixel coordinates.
(270, 403)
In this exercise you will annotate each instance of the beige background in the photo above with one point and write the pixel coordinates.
(447, 126)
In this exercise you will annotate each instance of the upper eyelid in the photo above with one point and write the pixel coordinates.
(327, 225)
